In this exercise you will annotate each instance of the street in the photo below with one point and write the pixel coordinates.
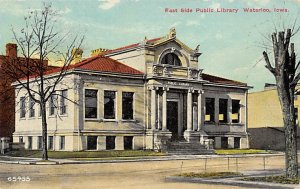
(149, 174)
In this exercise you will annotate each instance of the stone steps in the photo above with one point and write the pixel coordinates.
(186, 148)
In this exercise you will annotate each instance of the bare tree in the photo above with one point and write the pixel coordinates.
(38, 42)
(285, 71)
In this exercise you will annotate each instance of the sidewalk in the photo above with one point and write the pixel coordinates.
(37, 161)
(236, 181)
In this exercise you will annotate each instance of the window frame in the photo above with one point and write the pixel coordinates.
(225, 118)
(132, 106)
(164, 60)
(50, 147)
(63, 102)
(52, 106)
(115, 105)
(212, 115)
(62, 142)
(238, 112)
(40, 142)
(23, 107)
(97, 104)
(31, 108)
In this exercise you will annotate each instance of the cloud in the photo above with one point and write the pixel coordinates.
(108, 4)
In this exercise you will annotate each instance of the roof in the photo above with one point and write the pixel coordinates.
(99, 63)
(216, 79)
(150, 41)
(105, 64)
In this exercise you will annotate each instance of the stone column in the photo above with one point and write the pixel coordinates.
(153, 108)
(217, 111)
(229, 111)
(164, 109)
(199, 109)
(189, 110)
(158, 111)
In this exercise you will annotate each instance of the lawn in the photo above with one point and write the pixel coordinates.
(239, 151)
(84, 154)
(210, 174)
(274, 179)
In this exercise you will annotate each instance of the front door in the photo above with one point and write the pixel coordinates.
(172, 118)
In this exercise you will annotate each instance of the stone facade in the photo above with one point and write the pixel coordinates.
(159, 95)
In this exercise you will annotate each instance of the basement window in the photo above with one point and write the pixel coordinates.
(223, 104)
(235, 117)
(110, 142)
(209, 110)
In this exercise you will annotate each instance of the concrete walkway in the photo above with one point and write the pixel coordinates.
(37, 161)
(236, 181)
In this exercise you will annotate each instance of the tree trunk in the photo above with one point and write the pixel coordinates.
(44, 131)
(286, 97)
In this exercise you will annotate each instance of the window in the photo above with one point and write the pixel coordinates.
(224, 142)
(40, 111)
(63, 100)
(92, 142)
(52, 104)
(31, 108)
(128, 141)
(50, 142)
(171, 59)
(237, 142)
(209, 110)
(109, 104)
(235, 111)
(40, 142)
(21, 139)
(62, 143)
(223, 104)
(127, 105)
(30, 142)
(22, 107)
(110, 142)
(91, 103)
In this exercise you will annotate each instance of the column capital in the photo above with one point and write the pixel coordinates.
(200, 91)
(191, 90)
(166, 88)
(152, 88)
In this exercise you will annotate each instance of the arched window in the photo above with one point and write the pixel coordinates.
(171, 59)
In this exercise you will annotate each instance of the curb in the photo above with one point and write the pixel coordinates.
(230, 181)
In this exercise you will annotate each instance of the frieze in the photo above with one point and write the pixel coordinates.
(174, 83)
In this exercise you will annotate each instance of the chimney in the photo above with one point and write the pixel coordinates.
(77, 55)
(98, 51)
(11, 50)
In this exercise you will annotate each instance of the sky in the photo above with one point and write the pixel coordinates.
(231, 43)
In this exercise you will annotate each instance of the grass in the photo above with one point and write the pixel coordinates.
(275, 179)
(239, 151)
(84, 154)
(210, 174)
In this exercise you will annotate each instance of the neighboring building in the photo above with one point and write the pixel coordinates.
(7, 92)
(156, 94)
(266, 120)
